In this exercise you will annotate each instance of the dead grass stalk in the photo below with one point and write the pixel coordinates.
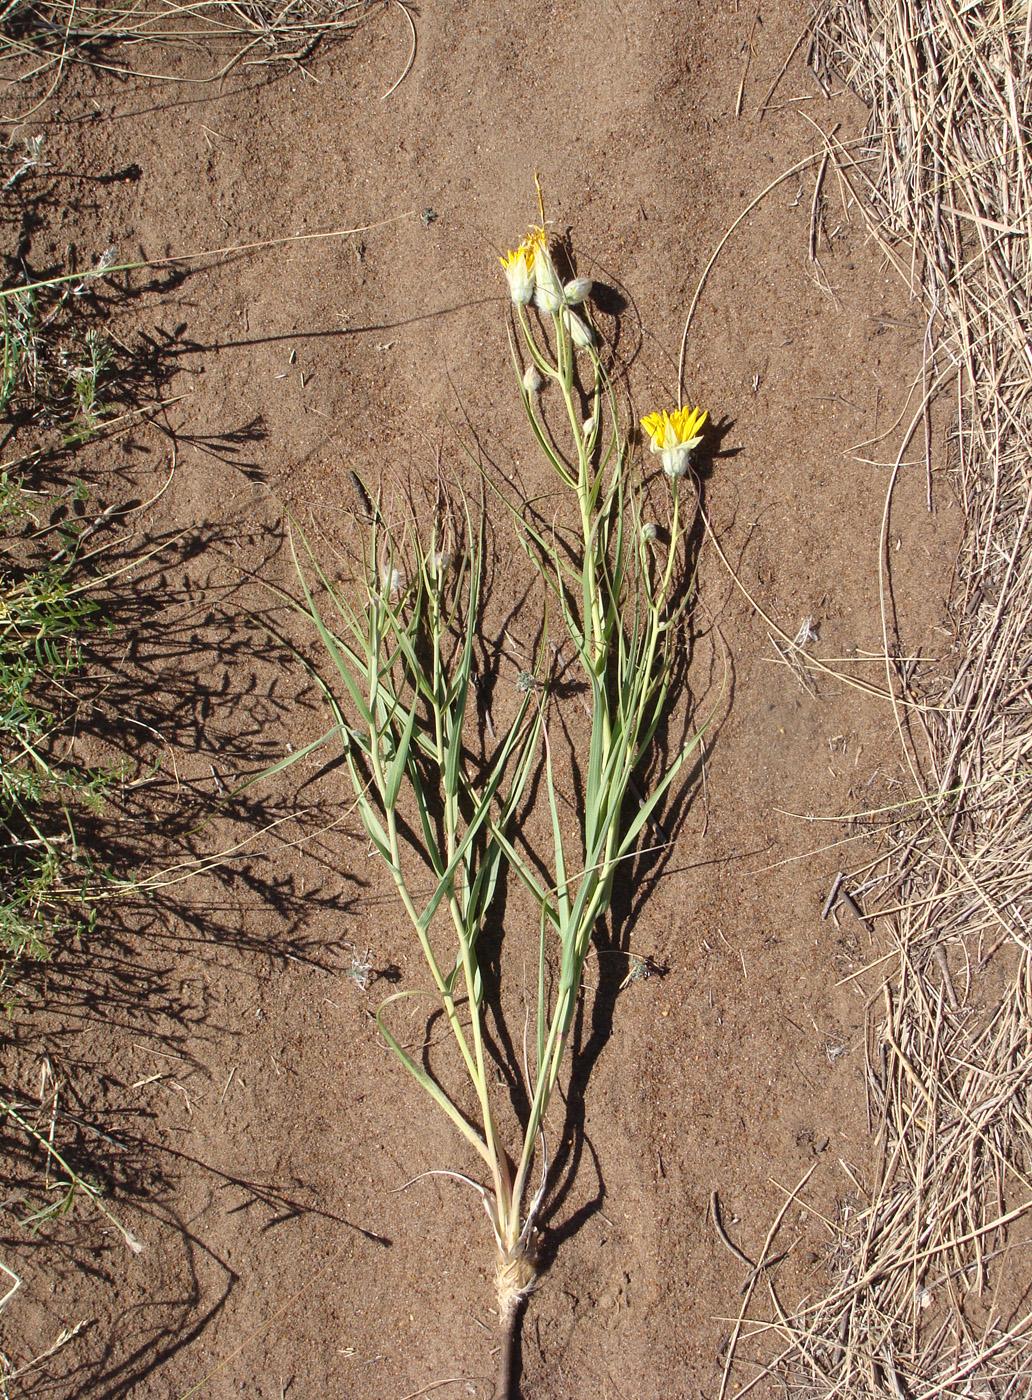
(929, 1295)
(42, 41)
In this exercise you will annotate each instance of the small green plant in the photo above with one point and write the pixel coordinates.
(68, 1184)
(86, 379)
(52, 372)
(18, 345)
(49, 605)
(52, 366)
(439, 813)
(44, 614)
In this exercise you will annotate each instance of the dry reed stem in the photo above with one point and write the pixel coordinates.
(930, 1294)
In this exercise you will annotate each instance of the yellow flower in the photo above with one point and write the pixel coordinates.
(675, 434)
(519, 265)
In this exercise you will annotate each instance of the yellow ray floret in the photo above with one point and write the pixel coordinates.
(535, 240)
(675, 434)
(518, 264)
(674, 427)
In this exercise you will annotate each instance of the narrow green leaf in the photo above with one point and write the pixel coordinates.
(429, 1085)
(562, 889)
(400, 760)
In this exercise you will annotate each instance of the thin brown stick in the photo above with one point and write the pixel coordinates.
(772, 1233)
(718, 1225)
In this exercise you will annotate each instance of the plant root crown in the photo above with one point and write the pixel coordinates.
(514, 1281)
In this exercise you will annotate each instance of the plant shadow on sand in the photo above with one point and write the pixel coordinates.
(179, 696)
(194, 699)
(187, 690)
(176, 696)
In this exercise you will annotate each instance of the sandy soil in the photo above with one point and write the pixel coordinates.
(219, 1069)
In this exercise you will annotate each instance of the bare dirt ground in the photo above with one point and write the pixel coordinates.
(219, 1068)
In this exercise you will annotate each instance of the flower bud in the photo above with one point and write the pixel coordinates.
(393, 581)
(547, 298)
(580, 332)
(532, 381)
(578, 290)
(548, 290)
(519, 277)
(589, 426)
(650, 532)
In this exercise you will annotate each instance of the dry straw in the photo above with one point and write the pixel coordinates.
(42, 41)
(931, 1293)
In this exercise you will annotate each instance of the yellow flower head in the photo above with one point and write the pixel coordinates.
(674, 434)
(519, 267)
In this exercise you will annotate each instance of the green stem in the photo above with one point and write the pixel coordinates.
(447, 1001)
(394, 846)
(460, 920)
(656, 628)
